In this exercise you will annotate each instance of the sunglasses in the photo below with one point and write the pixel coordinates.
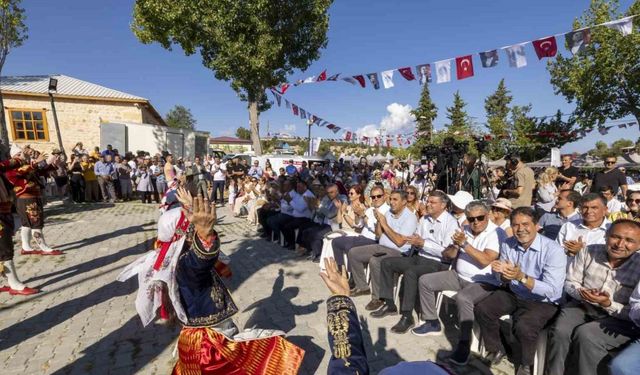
(637, 201)
(411, 193)
(377, 196)
(475, 218)
(609, 162)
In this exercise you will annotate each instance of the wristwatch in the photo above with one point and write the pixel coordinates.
(523, 279)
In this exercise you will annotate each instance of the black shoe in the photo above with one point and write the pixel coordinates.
(460, 356)
(316, 259)
(374, 305)
(494, 358)
(265, 235)
(385, 310)
(405, 324)
(356, 292)
(352, 284)
(523, 370)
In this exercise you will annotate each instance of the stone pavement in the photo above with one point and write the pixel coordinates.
(85, 322)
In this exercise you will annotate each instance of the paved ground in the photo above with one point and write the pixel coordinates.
(85, 321)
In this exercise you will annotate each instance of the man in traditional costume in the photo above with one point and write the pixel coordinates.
(7, 268)
(29, 204)
(183, 275)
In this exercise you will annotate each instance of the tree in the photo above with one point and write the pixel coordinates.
(254, 44)
(243, 133)
(602, 150)
(604, 79)
(425, 113)
(180, 117)
(496, 106)
(534, 138)
(13, 33)
(459, 119)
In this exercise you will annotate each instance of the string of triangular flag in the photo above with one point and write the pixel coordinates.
(546, 47)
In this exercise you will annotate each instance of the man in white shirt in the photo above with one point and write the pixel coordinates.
(367, 236)
(591, 230)
(434, 234)
(473, 249)
(393, 229)
(219, 172)
(613, 204)
(301, 201)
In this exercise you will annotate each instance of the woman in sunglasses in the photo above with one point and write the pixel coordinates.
(631, 208)
(412, 199)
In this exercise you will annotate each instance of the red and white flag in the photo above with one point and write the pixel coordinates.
(295, 109)
(464, 67)
(360, 80)
(322, 76)
(283, 88)
(545, 47)
(407, 73)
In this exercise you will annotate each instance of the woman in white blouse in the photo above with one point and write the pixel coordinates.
(546, 191)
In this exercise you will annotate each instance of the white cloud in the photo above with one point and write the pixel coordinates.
(398, 120)
(291, 128)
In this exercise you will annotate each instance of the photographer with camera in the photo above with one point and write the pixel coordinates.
(524, 182)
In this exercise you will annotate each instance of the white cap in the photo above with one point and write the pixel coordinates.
(461, 199)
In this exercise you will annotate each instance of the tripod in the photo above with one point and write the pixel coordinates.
(483, 172)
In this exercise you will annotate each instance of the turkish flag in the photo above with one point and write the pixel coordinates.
(464, 67)
(284, 88)
(546, 47)
(407, 73)
(322, 76)
(360, 79)
(295, 109)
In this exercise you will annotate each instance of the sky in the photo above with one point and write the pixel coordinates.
(92, 40)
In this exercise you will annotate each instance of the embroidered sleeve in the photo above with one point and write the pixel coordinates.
(345, 337)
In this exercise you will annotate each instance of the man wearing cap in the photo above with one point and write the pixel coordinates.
(14, 287)
(28, 189)
(459, 202)
(565, 210)
(525, 182)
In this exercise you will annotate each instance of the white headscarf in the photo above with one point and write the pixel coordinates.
(15, 150)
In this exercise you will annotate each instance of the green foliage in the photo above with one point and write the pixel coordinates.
(604, 79)
(180, 117)
(535, 138)
(458, 117)
(13, 32)
(243, 133)
(602, 150)
(254, 44)
(425, 113)
(496, 106)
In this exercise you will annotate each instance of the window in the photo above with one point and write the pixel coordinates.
(29, 124)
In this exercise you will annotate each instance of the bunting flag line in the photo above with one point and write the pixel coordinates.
(287, 104)
(424, 73)
(464, 67)
(576, 41)
(295, 109)
(278, 98)
(546, 47)
(517, 57)
(489, 59)
(406, 73)
(387, 79)
(443, 71)
(303, 114)
(373, 78)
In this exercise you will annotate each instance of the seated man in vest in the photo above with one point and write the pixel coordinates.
(596, 319)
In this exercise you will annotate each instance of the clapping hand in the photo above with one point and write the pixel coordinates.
(574, 246)
(199, 212)
(510, 271)
(414, 240)
(595, 296)
(459, 238)
(336, 281)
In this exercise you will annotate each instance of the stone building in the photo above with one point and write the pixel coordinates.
(81, 107)
(231, 145)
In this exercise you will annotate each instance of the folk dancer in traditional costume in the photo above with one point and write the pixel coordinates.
(29, 204)
(183, 275)
(7, 268)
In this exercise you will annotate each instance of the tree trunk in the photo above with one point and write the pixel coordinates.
(4, 135)
(254, 118)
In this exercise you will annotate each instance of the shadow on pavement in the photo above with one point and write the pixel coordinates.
(106, 236)
(279, 312)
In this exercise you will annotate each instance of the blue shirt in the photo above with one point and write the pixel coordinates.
(255, 172)
(551, 222)
(291, 169)
(108, 152)
(104, 169)
(544, 261)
